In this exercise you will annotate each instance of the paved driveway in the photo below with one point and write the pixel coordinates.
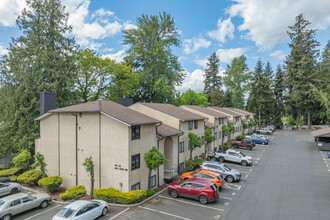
(292, 183)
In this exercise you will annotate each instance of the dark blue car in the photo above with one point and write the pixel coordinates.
(257, 140)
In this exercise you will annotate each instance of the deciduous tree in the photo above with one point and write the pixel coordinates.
(194, 142)
(153, 158)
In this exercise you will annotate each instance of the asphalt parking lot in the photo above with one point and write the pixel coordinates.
(289, 179)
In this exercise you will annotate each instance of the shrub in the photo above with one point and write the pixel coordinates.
(193, 164)
(12, 178)
(1, 166)
(51, 184)
(30, 177)
(150, 192)
(317, 127)
(228, 145)
(9, 172)
(294, 128)
(304, 128)
(115, 196)
(22, 160)
(240, 137)
(74, 192)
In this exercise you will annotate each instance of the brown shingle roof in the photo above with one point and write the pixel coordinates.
(174, 111)
(208, 111)
(210, 125)
(111, 109)
(242, 111)
(235, 114)
(165, 131)
(325, 132)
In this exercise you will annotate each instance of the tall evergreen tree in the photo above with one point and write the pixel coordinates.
(217, 97)
(150, 54)
(279, 88)
(227, 99)
(41, 58)
(236, 80)
(268, 95)
(301, 67)
(212, 79)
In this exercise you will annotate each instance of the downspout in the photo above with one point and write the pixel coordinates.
(180, 122)
(158, 149)
(76, 147)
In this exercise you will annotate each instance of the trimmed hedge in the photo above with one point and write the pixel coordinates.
(30, 177)
(240, 137)
(115, 196)
(9, 172)
(193, 164)
(74, 192)
(150, 192)
(51, 184)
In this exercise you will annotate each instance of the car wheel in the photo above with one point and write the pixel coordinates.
(220, 188)
(248, 147)
(235, 146)
(203, 199)
(174, 193)
(44, 204)
(104, 211)
(268, 133)
(221, 159)
(244, 163)
(13, 191)
(230, 179)
(6, 217)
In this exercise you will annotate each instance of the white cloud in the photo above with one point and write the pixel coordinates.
(226, 55)
(129, 25)
(201, 62)
(266, 21)
(225, 28)
(3, 50)
(193, 81)
(181, 58)
(279, 54)
(9, 10)
(118, 56)
(193, 44)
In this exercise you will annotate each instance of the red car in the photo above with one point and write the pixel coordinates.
(203, 190)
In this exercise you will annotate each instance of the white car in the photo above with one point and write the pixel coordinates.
(9, 188)
(21, 202)
(233, 156)
(83, 210)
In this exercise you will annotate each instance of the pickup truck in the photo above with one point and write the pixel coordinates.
(233, 156)
(245, 143)
(264, 131)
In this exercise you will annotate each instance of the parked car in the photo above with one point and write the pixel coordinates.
(233, 156)
(4, 180)
(264, 131)
(215, 177)
(83, 209)
(258, 140)
(21, 202)
(329, 154)
(254, 135)
(9, 188)
(273, 128)
(202, 190)
(229, 174)
(245, 143)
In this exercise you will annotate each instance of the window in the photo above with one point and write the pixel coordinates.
(198, 186)
(196, 124)
(135, 187)
(208, 177)
(92, 206)
(181, 147)
(215, 134)
(190, 125)
(181, 167)
(220, 135)
(26, 199)
(135, 161)
(152, 181)
(83, 210)
(15, 203)
(199, 175)
(187, 185)
(220, 121)
(135, 132)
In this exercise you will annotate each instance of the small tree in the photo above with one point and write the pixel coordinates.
(251, 124)
(245, 126)
(231, 129)
(22, 160)
(224, 133)
(153, 158)
(89, 165)
(39, 162)
(195, 141)
(209, 137)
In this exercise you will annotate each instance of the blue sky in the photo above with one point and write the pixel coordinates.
(254, 28)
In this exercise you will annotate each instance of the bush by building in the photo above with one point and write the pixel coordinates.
(150, 192)
(30, 177)
(74, 192)
(9, 172)
(115, 196)
(193, 164)
(240, 137)
(51, 184)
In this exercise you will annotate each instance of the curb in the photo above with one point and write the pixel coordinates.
(110, 204)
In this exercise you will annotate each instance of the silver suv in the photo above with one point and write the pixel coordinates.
(229, 174)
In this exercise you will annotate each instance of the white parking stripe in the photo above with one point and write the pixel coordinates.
(204, 206)
(42, 212)
(119, 214)
(164, 213)
(222, 197)
(232, 186)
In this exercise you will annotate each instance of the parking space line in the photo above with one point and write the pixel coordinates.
(42, 212)
(164, 213)
(222, 197)
(204, 206)
(246, 171)
(232, 186)
(119, 214)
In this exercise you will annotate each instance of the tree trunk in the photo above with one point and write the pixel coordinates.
(259, 118)
(149, 176)
(298, 117)
(309, 118)
(222, 141)
(191, 149)
(91, 196)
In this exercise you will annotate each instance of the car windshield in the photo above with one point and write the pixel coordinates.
(214, 187)
(241, 154)
(226, 168)
(65, 212)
